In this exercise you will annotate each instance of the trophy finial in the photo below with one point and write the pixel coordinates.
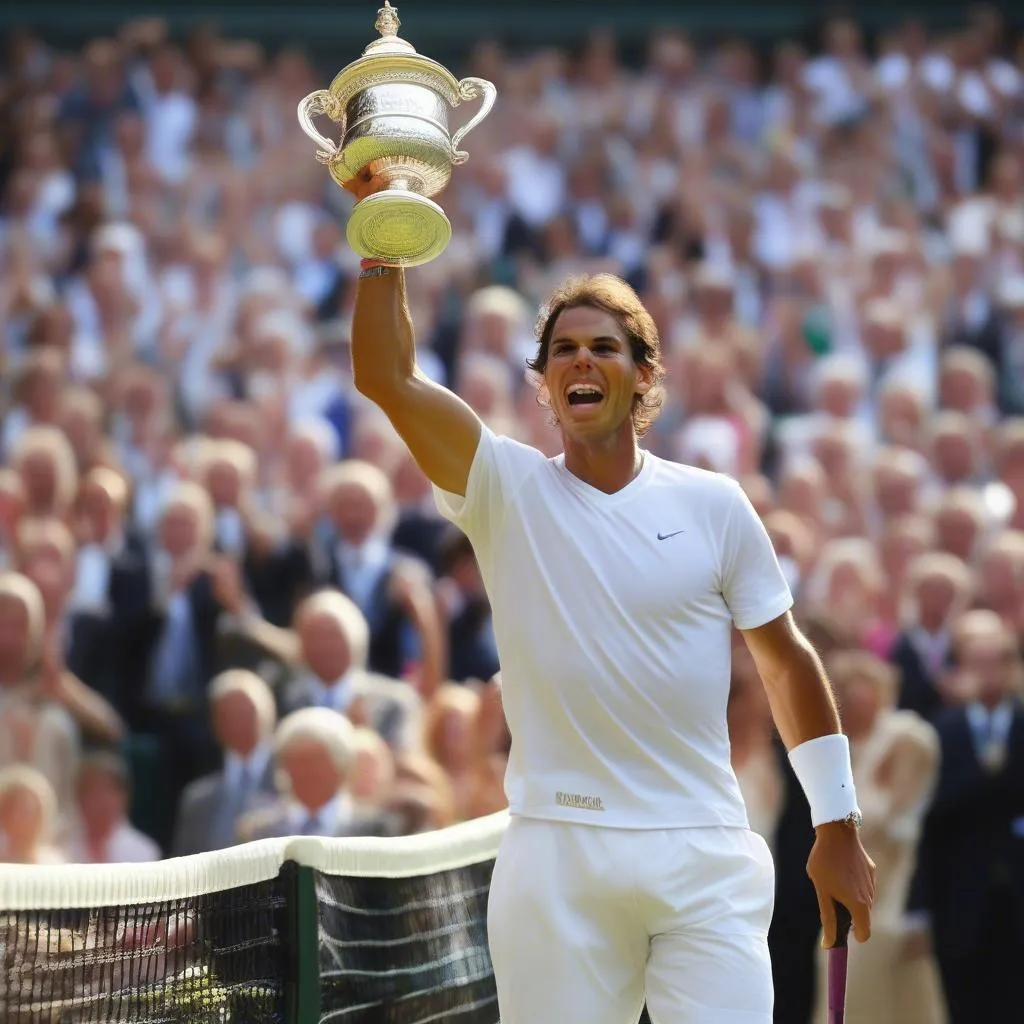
(387, 23)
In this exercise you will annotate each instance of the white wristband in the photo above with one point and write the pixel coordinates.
(823, 767)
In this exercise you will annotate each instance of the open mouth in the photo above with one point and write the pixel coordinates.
(584, 394)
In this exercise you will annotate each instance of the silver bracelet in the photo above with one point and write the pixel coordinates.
(374, 272)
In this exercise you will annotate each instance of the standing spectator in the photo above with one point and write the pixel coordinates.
(244, 719)
(103, 834)
(971, 875)
(895, 764)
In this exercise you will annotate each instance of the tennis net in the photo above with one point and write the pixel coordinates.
(291, 931)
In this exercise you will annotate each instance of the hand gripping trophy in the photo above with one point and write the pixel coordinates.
(392, 104)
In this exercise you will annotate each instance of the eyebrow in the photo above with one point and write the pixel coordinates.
(601, 337)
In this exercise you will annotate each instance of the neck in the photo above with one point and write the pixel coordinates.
(97, 833)
(317, 808)
(990, 701)
(608, 464)
(24, 853)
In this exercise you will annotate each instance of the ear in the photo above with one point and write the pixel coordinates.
(543, 395)
(644, 380)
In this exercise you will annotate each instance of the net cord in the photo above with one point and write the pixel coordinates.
(45, 887)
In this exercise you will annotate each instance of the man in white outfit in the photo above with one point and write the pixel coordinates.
(615, 577)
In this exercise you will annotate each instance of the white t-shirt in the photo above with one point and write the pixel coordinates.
(613, 616)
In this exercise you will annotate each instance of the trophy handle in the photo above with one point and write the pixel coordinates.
(471, 89)
(320, 102)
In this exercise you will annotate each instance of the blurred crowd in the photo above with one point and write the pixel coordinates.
(228, 608)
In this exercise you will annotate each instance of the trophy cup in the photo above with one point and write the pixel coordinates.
(392, 104)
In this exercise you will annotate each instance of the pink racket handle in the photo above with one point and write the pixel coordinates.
(837, 960)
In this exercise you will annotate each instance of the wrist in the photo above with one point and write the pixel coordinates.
(373, 268)
(848, 826)
(822, 766)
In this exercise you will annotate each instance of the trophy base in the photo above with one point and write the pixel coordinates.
(399, 228)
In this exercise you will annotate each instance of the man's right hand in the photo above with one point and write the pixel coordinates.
(440, 429)
(364, 184)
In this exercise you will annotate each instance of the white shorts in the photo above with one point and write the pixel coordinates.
(586, 922)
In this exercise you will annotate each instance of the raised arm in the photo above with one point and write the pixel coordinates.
(441, 431)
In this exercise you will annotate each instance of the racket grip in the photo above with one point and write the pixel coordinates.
(843, 924)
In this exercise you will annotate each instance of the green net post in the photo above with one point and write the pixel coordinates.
(302, 945)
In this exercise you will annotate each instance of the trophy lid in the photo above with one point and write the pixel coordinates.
(388, 24)
(394, 58)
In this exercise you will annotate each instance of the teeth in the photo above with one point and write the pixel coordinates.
(583, 389)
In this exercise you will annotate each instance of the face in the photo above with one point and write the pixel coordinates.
(236, 723)
(954, 456)
(314, 776)
(47, 571)
(902, 415)
(98, 510)
(179, 530)
(839, 397)
(13, 631)
(935, 597)
(39, 476)
(21, 817)
(591, 378)
(102, 801)
(957, 532)
(988, 660)
(858, 700)
(354, 513)
(960, 390)
(224, 485)
(304, 462)
(999, 581)
(324, 646)
(371, 773)
(898, 550)
(847, 589)
(453, 739)
(896, 493)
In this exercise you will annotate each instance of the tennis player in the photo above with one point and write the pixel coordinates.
(629, 869)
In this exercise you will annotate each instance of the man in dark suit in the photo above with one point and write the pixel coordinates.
(276, 569)
(970, 878)
(111, 589)
(391, 589)
(472, 648)
(174, 643)
(940, 588)
(314, 749)
(244, 719)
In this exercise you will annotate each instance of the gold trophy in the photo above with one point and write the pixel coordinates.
(392, 104)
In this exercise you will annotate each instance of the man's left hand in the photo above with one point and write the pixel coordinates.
(842, 872)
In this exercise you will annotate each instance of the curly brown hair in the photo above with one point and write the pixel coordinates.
(612, 295)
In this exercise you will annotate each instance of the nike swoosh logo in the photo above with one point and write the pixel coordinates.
(665, 536)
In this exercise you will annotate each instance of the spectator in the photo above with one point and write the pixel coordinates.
(28, 817)
(244, 719)
(359, 561)
(938, 589)
(895, 757)
(103, 834)
(34, 729)
(315, 750)
(324, 658)
(970, 878)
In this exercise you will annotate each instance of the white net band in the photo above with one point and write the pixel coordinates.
(30, 887)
